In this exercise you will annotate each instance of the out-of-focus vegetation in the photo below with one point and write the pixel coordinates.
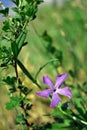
(63, 28)
(67, 27)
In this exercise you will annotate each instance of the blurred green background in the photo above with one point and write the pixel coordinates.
(65, 27)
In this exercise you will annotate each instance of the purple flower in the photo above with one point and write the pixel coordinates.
(54, 90)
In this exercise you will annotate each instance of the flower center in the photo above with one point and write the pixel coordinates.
(54, 90)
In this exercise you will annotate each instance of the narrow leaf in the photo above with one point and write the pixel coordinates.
(14, 49)
(39, 70)
(25, 70)
(27, 73)
(5, 11)
(21, 39)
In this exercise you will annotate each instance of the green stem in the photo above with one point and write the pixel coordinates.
(73, 117)
(15, 65)
(26, 22)
(44, 66)
(22, 105)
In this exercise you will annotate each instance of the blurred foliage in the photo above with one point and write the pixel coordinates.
(65, 36)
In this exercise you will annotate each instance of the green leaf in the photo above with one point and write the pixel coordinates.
(29, 106)
(5, 11)
(29, 1)
(56, 113)
(84, 88)
(19, 43)
(30, 11)
(16, 2)
(79, 106)
(27, 73)
(38, 1)
(6, 25)
(47, 38)
(14, 102)
(26, 101)
(20, 119)
(25, 90)
(10, 80)
(5, 56)
(14, 47)
(59, 55)
(25, 70)
(5, 62)
(20, 40)
(15, 9)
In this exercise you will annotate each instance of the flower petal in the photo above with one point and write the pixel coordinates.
(60, 79)
(64, 91)
(55, 100)
(45, 93)
(48, 81)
